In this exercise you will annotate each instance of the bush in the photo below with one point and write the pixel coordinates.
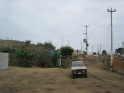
(22, 55)
(25, 65)
(41, 59)
(54, 59)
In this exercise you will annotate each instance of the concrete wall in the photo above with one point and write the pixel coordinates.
(4, 61)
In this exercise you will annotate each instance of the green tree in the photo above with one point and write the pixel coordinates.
(104, 52)
(119, 50)
(54, 59)
(66, 51)
(22, 55)
(49, 46)
(116, 51)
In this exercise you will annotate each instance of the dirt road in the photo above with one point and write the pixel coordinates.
(58, 80)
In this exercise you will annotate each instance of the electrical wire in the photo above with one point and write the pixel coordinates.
(103, 14)
(97, 19)
(102, 17)
(120, 7)
(118, 3)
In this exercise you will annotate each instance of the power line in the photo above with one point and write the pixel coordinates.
(107, 36)
(117, 3)
(102, 19)
(97, 20)
(121, 7)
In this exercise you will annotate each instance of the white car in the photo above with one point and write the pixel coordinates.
(78, 68)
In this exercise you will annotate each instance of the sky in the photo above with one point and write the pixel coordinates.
(63, 22)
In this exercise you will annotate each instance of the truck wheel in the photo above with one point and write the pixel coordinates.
(72, 76)
(85, 75)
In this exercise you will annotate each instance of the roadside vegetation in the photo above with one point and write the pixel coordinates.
(42, 57)
(66, 51)
(21, 55)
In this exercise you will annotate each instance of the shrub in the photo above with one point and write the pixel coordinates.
(22, 55)
(54, 59)
(41, 59)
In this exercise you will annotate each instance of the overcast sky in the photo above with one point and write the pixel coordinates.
(62, 22)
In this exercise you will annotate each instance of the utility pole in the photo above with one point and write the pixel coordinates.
(62, 41)
(68, 42)
(123, 50)
(100, 49)
(92, 50)
(97, 50)
(86, 40)
(81, 46)
(111, 35)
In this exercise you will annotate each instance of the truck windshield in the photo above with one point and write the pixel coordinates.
(77, 64)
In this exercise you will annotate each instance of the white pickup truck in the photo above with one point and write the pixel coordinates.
(78, 68)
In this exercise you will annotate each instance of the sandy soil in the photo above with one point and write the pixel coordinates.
(58, 80)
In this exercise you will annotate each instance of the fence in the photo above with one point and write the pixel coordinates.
(66, 62)
(118, 66)
(106, 63)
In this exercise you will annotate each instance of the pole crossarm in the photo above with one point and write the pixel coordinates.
(111, 10)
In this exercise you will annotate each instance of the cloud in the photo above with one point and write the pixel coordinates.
(50, 20)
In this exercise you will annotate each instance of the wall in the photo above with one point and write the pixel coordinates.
(106, 63)
(104, 59)
(67, 62)
(118, 66)
(4, 61)
(11, 44)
